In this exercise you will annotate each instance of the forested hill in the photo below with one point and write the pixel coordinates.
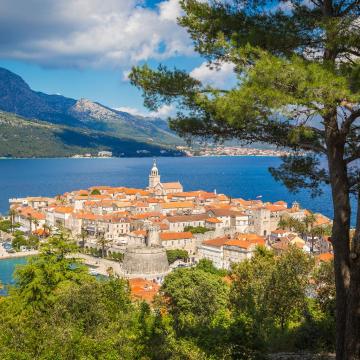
(18, 98)
(20, 137)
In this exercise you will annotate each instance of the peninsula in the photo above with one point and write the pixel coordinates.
(141, 226)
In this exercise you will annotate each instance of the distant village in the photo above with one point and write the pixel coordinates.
(221, 150)
(141, 225)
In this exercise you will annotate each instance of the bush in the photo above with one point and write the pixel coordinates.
(177, 254)
(196, 229)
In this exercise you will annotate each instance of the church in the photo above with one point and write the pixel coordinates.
(159, 189)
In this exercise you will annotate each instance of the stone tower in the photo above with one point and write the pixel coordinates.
(154, 177)
(149, 260)
(152, 236)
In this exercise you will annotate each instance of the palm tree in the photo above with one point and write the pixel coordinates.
(306, 227)
(289, 223)
(36, 223)
(310, 229)
(46, 228)
(102, 241)
(31, 219)
(83, 234)
(12, 214)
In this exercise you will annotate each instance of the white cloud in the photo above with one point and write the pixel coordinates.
(170, 10)
(79, 33)
(125, 75)
(163, 112)
(222, 77)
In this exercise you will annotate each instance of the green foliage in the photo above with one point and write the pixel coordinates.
(195, 297)
(58, 311)
(177, 254)
(289, 92)
(196, 229)
(19, 240)
(95, 192)
(38, 280)
(5, 225)
(197, 322)
(272, 290)
(316, 332)
(31, 138)
(324, 282)
(87, 320)
(116, 256)
(208, 266)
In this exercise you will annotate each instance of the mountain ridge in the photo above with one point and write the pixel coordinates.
(17, 97)
(24, 138)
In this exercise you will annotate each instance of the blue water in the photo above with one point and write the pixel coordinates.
(245, 177)
(7, 268)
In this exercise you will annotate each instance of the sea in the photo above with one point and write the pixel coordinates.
(239, 176)
(7, 268)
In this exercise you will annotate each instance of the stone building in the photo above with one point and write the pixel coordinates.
(148, 261)
(159, 189)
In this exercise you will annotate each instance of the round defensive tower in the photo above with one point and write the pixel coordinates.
(148, 261)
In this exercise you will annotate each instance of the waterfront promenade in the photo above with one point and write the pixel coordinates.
(101, 266)
(5, 255)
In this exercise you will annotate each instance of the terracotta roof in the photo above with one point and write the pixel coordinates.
(254, 238)
(142, 289)
(30, 212)
(240, 243)
(275, 208)
(322, 220)
(213, 220)
(222, 197)
(64, 209)
(172, 185)
(132, 191)
(87, 216)
(175, 235)
(217, 242)
(281, 202)
(177, 205)
(147, 215)
(138, 232)
(325, 257)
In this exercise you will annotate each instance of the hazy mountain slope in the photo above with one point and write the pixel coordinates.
(21, 137)
(17, 97)
(98, 117)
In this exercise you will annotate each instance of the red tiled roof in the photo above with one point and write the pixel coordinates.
(142, 289)
(175, 235)
(217, 242)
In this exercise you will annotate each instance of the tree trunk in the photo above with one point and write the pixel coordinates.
(340, 233)
(352, 336)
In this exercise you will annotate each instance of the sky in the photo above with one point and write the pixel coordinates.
(85, 48)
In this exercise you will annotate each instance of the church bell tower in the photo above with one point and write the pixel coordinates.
(154, 177)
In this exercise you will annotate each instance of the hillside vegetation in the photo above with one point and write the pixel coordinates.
(18, 98)
(20, 137)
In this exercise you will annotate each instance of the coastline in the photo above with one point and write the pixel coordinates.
(4, 255)
(137, 157)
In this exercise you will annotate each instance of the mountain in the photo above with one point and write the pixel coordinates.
(17, 97)
(20, 137)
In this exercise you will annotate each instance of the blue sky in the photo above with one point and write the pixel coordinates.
(84, 48)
